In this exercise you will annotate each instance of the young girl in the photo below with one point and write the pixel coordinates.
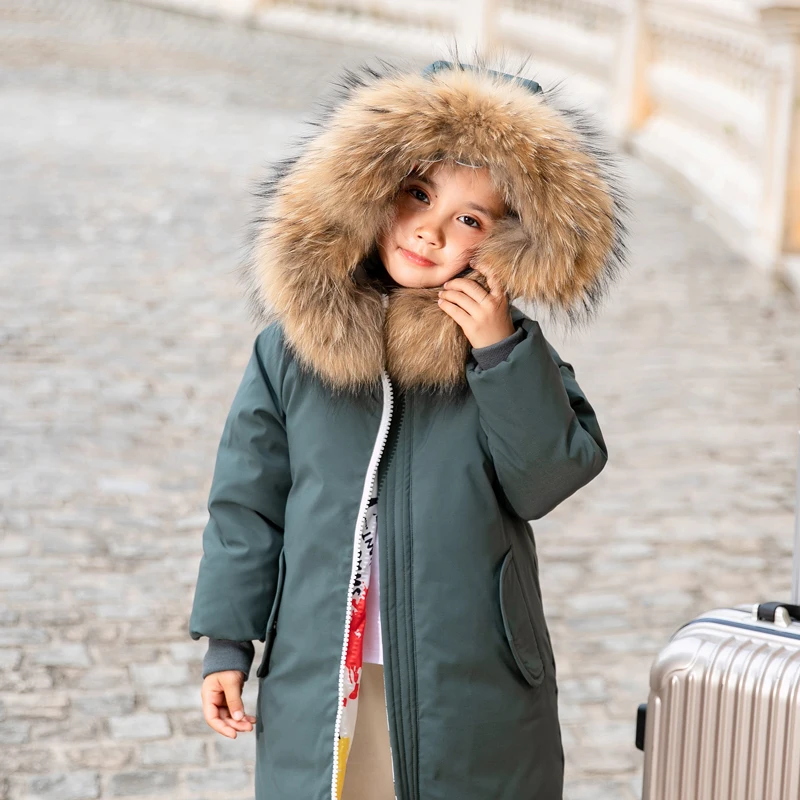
(394, 395)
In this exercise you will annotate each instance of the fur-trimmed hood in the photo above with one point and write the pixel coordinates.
(312, 246)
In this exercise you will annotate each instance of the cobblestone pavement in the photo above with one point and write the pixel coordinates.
(128, 144)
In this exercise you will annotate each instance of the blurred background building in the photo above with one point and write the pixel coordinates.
(708, 90)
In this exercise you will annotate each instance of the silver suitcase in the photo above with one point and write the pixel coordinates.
(722, 720)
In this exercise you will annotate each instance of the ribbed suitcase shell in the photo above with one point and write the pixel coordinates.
(723, 714)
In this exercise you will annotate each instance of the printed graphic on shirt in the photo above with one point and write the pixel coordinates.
(373, 645)
(354, 657)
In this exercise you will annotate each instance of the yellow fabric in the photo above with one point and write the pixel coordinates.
(344, 750)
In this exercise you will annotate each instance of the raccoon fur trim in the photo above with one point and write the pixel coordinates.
(323, 208)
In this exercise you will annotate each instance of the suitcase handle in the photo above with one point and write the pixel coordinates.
(769, 612)
(641, 724)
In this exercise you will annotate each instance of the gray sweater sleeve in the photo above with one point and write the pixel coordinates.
(224, 654)
(493, 354)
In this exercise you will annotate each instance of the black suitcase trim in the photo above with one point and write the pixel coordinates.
(742, 625)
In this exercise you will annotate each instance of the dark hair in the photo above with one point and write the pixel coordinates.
(370, 271)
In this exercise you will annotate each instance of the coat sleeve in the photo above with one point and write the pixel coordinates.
(243, 538)
(542, 433)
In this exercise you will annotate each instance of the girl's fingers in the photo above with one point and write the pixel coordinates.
(220, 727)
(212, 718)
(461, 299)
(469, 287)
(455, 311)
(243, 724)
(218, 717)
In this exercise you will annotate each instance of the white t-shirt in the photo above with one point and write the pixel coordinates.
(373, 649)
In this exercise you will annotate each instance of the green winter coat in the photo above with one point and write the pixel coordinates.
(351, 387)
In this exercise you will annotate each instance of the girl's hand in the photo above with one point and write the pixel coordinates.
(222, 698)
(484, 316)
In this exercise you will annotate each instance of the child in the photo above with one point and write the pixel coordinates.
(393, 388)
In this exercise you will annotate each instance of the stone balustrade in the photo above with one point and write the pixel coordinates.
(709, 90)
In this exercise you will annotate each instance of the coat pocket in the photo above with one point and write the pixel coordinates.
(518, 622)
(272, 622)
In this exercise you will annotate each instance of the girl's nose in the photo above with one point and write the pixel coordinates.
(432, 235)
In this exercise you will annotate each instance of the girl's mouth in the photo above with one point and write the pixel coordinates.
(415, 259)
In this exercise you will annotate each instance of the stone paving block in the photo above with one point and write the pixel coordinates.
(125, 654)
(101, 756)
(587, 690)
(94, 593)
(58, 786)
(188, 651)
(148, 675)
(192, 723)
(35, 595)
(174, 698)
(8, 616)
(20, 760)
(33, 707)
(630, 642)
(56, 617)
(12, 637)
(14, 731)
(73, 543)
(71, 729)
(103, 678)
(218, 780)
(143, 782)
(150, 631)
(174, 752)
(614, 735)
(132, 611)
(63, 655)
(14, 580)
(595, 603)
(571, 714)
(240, 749)
(106, 704)
(10, 659)
(140, 726)
(14, 545)
(31, 679)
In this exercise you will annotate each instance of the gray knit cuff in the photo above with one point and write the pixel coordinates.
(493, 354)
(223, 654)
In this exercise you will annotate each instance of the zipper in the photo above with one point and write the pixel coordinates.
(369, 482)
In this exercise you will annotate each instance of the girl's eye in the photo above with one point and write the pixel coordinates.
(476, 225)
(412, 189)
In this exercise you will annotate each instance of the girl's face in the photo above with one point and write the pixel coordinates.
(440, 220)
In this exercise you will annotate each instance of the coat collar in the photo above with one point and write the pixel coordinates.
(311, 260)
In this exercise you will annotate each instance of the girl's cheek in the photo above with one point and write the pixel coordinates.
(393, 227)
(403, 222)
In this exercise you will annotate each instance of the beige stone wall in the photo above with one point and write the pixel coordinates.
(709, 90)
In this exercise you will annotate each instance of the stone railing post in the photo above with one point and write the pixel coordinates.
(629, 104)
(475, 26)
(780, 221)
